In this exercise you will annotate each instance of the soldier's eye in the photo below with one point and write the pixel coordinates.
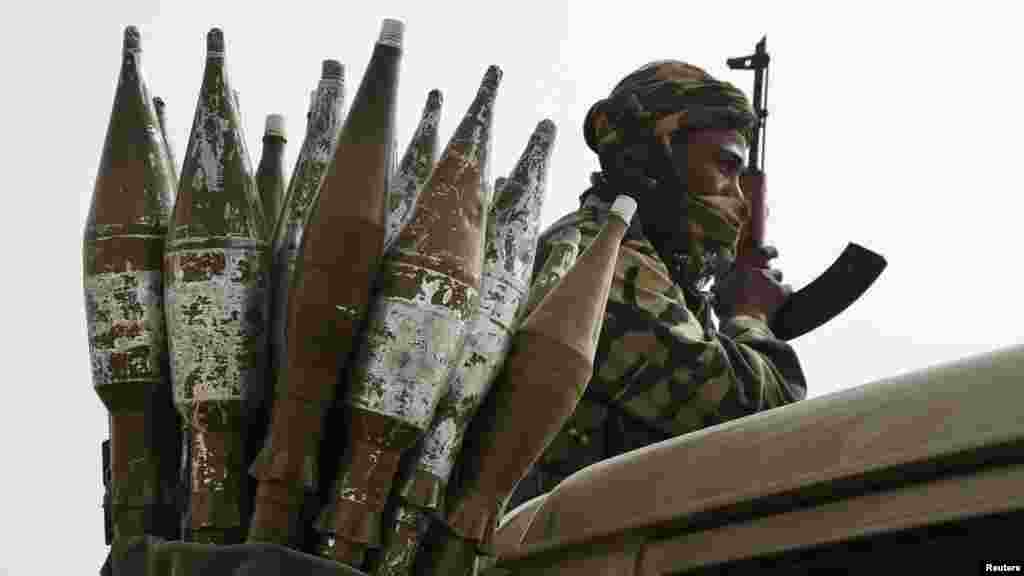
(729, 163)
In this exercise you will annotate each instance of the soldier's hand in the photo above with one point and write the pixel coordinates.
(747, 291)
(629, 175)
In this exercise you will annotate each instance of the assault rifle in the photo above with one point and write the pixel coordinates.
(837, 287)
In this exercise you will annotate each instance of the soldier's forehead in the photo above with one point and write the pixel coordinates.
(731, 139)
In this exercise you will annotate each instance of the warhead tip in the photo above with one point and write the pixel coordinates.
(215, 41)
(391, 32)
(132, 38)
(546, 127)
(493, 76)
(332, 70)
(275, 125)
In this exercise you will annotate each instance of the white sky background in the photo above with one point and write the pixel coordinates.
(894, 125)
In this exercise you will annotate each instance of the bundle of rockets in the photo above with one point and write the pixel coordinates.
(278, 359)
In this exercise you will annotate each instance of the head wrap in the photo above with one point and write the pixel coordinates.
(662, 97)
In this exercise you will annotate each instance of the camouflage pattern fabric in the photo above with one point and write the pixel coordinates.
(665, 96)
(662, 369)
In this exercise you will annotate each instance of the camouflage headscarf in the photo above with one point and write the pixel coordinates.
(656, 101)
(665, 96)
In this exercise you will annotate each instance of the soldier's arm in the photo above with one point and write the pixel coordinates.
(764, 370)
(658, 360)
(654, 356)
(745, 299)
(556, 253)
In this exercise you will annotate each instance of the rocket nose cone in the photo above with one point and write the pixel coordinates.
(434, 98)
(215, 41)
(132, 38)
(332, 70)
(493, 76)
(547, 128)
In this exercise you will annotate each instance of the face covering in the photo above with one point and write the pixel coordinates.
(696, 245)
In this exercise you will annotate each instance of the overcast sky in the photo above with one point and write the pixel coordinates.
(892, 124)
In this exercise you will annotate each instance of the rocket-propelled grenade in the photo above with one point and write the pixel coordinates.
(122, 249)
(270, 185)
(161, 115)
(315, 156)
(448, 553)
(414, 169)
(549, 364)
(322, 130)
(407, 524)
(513, 226)
(428, 291)
(270, 177)
(341, 247)
(507, 268)
(216, 284)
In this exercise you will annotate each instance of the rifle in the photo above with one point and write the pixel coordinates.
(840, 284)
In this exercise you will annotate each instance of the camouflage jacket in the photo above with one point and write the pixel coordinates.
(662, 369)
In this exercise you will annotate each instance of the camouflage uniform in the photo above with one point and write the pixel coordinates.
(662, 368)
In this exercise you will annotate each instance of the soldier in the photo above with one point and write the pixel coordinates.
(679, 137)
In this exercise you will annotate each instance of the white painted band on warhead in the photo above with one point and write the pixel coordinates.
(275, 125)
(624, 207)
